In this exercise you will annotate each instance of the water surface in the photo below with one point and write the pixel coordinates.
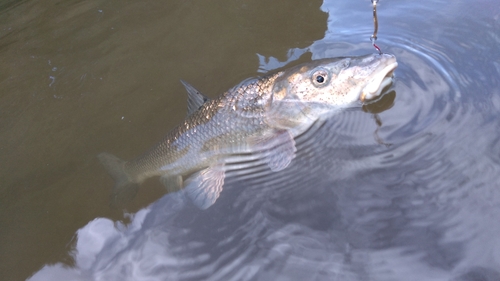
(405, 189)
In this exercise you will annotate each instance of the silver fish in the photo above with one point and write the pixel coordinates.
(257, 119)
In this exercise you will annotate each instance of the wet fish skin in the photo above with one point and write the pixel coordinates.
(260, 118)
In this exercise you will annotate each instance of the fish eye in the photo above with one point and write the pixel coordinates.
(320, 77)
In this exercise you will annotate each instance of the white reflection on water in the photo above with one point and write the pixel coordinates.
(424, 207)
(414, 211)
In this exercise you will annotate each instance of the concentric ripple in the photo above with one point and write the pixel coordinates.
(408, 189)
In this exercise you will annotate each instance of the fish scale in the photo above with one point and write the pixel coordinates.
(257, 119)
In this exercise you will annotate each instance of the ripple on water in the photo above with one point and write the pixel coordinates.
(412, 193)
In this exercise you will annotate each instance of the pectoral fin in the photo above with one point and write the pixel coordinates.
(278, 149)
(205, 186)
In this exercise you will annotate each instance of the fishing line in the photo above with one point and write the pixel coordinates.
(373, 38)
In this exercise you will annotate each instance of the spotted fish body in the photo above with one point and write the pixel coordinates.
(221, 126)
(258, 118)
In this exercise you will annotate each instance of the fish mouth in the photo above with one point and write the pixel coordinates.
(379, 81)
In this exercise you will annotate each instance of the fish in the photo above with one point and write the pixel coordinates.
(259, 118)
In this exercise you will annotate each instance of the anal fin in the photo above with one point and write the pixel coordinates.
(125, 187)
(171, 183)
(205, 186)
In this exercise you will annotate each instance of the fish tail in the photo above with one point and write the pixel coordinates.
(126, 186)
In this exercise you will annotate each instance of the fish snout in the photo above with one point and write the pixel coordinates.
(381, 78)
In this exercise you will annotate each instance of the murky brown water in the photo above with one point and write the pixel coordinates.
(414, 196)
(82, 77)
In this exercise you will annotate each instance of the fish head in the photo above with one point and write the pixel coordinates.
(326, 85)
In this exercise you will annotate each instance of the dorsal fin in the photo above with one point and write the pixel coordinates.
(195, 98)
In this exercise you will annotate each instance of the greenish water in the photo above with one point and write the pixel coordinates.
(83, 77)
